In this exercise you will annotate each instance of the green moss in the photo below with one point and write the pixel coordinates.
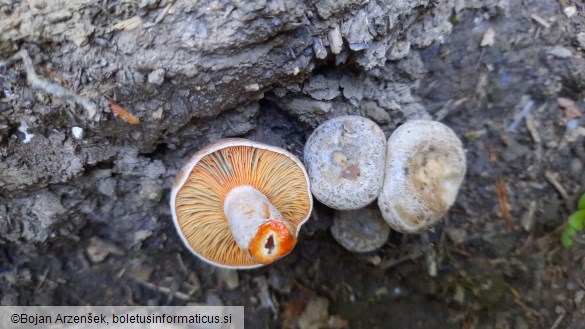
(575, 223)
(63, 118)
(472, 136)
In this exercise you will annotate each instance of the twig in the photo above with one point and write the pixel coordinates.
(459, 251)
(449, 107)
(182, 264)
(518, 300)
(160, 16)
(502, 193)
(164, 290)
(558, 321)
(54, 89)
(412, 256)
(531, 126)
(525, 110)
(43, 278)
(540, 20)
(552, 177)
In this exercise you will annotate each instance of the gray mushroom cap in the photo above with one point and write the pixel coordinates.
(425, 166)
(345, 159)
(360, 230)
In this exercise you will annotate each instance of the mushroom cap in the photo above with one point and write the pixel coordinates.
(360, 230)
(344, 157)
(425, 166)
(197, 197)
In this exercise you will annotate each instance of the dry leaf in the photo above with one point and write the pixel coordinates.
(124, 114)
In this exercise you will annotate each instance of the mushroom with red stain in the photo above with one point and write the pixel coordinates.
(344, 157)
(240, 204)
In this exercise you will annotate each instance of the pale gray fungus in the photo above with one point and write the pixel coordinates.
(425, 166)
(344, 157)
(360, 230)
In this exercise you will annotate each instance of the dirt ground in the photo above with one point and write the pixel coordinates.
(92, 224)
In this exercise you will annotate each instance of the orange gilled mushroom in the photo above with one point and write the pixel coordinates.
(240, 204)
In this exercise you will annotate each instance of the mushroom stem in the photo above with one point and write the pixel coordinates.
(257, 225)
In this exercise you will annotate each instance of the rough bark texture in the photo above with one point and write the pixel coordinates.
(177, 66)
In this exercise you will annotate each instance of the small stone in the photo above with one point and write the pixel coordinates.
(155, 169)
(151, 190)
(459, 294)
(77, 133)
(356, 31)
(579, 295)
(374, 260)
(353, 88)
(315, 315)
(47, 205)
(319, 49)
(252, 87)
(489, 37)
(59, 16)
(527, 219)
(157, 77)
(24, 129)
(194, 281)
(382, 291)
(147, 4)
(520, 323)
(377, 113)
(99, 249)
(570, 11)
(128, 24)
(322, 88)
(213, 300)
(335, 40)
(229, 278)
(457, 235)
(107, 187)
(559, 52)
(581, 39)
(399, 50)
(140, 235)
(308, 106)
(158, 114)
(337, 322)
(560, 310)
(141, 272)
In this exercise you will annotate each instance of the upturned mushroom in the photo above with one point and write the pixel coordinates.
(344, 157)
(240, 204)
(361, 230)
(425, 166)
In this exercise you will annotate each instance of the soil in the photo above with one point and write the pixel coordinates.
(84, 184)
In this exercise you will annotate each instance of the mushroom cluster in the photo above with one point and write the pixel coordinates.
(240, 204)
(415, 175)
